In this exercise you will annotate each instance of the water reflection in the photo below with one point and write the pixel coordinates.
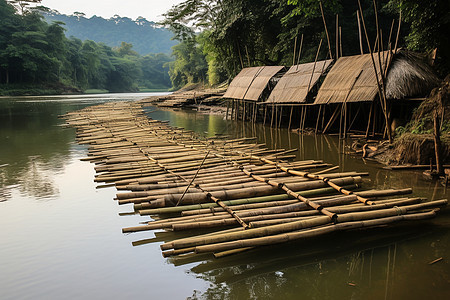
(380, 263)
(33, 145)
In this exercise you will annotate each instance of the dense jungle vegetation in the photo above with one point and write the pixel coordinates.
(37, 58)
(218, 38)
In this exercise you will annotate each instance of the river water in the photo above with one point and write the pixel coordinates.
(60, 236)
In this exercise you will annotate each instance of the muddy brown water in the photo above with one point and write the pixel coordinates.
(61, 237)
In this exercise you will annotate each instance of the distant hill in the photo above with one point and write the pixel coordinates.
(146, 36)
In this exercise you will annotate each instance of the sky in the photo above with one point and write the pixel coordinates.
(152, 10)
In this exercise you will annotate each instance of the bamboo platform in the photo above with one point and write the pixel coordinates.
(242, 194)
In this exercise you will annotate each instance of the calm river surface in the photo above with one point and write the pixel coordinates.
(60, 236)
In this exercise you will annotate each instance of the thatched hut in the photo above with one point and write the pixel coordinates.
(352, 78)
(251, 82)
(409, 76)
(294, 86)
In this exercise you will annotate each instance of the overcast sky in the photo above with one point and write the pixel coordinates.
(149, 9)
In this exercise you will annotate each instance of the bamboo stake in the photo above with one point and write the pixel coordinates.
(299, 52)
(337, 36)
(359, 33)
(193, 178)
(295, 50)
(326, 30)
(380, 92)
(290, 118)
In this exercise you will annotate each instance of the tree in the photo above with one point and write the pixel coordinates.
(428, 23)
(22, 5)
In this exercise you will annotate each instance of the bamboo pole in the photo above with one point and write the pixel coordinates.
(359, 33)
(381, 94)
(337, 36)
(274, 230)
(285, 237)
(295, 50)
(299, 52)
(192, 180)
(326, 30)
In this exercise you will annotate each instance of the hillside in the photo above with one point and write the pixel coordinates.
(146, 36)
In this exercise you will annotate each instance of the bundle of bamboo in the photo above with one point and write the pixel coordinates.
(220, 182)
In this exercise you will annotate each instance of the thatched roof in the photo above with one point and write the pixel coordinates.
(409, 76)
(351, 79)
(295, 85)
(251, 82)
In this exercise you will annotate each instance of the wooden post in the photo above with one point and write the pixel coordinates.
(281, 116)
(340, 40)
(323, 118)
(265, 113)
(368, 122)
(290, 118)
(340, 119)
(304, 117)
(318, 118)
(326, 30)
(332, 119)
(232, 109)
(346, 113)
(273, 111)
(301, 120)
(437, 144)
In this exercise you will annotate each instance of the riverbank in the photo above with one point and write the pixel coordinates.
(58, 89)
(415, 143)
(37, 89)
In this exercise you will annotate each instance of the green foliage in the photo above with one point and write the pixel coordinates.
(34, 53)
(189, 66)
(266, 30)
(428, 23)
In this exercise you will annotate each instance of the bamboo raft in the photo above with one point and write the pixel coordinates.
(184, 98)
(243, 194)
